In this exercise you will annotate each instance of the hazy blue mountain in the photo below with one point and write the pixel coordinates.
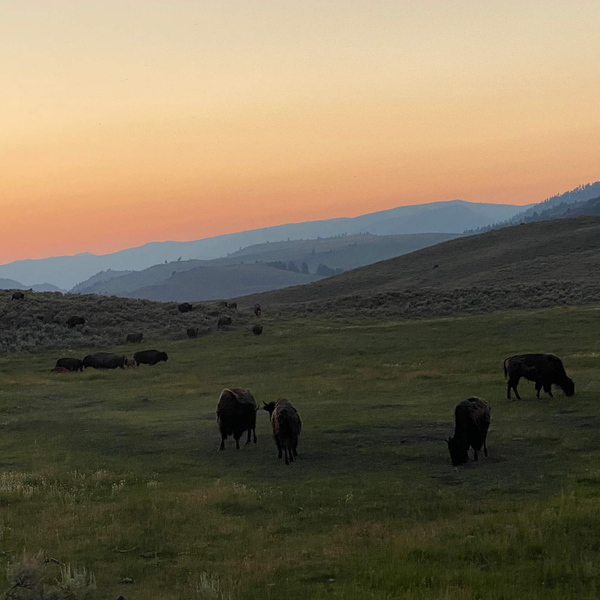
(10, 284)
(68, 271)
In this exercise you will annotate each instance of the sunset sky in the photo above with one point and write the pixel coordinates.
(127, 121)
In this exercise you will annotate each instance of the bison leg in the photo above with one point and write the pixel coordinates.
(249, 436)
(285, 450)
(548, 389)
(475, 455)
(278, 447)
(237, 441)
(222, 446)
(513, 383)
(538, 387)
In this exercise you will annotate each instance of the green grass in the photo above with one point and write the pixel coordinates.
(118, 472)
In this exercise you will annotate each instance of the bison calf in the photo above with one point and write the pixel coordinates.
(472, 421)
(257, 310)
(545, 370)
(257, 329)
(135, 338)
(236, 413)
(74, 321)
(287, 426)
(70, 364)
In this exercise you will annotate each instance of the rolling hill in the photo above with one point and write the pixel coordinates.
(438, 217)
(343, 252)
(545, 263)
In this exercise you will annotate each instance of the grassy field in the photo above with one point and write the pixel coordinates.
(118, 472)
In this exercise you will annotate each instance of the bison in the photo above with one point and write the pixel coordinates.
(150, 357)
(257, 329)
(71, 364)
(104, 360)
(74, 321)
(545, 369)
(223, 322)
(236, 413)
(257, 310)
(192, 332)
(185, 307)
(232, 305)
(135, 338)
(472, 421)
(287, 426)
(18, 296)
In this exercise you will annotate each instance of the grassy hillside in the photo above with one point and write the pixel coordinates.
(39, 321)
(118, 472)
(226, 281)
(538, 262)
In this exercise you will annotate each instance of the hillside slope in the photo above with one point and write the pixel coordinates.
(558, 253)
(215, 282)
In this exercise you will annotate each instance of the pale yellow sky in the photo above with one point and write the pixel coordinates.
(131, 121)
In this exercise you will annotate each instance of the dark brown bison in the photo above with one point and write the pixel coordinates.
(75, 321)
(135, 338)
(236, 413)
(104, 360)
(472, 421)
(18, 296)
(150, 357)
(71, 364)
(257, 329)
(257, 310)
(287, 426)
(192, 332)
(545, 370)
(223, 322)
(185, 307)
(232, 305)
(60, 370)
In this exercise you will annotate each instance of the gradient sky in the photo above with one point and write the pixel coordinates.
(127, 121)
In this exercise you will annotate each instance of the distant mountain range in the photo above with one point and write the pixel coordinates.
(438, 217)
(261, 267)
(11, 284)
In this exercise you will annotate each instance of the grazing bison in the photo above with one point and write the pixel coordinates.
(74, 321)
(257, 329)
(130, 362)
(60, 370)
(193, 332)
(287, 426)
(232, 305)
(18, 296)
(545, 369)
(104, 360)
(223, 322)
(71, 364)
(150, 357)
(236, 413)
(185, 307)
(472, 418)
(135, 338)
(257, 310)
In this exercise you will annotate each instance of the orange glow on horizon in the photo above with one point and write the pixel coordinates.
(210, 118)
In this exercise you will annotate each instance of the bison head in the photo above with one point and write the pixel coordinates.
(458, 453)
(568, 386)
(269, 407)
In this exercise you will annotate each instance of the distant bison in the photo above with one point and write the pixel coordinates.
(257, 329)
(223, 322)
(232, 305)
(150, 357)
(71, 364)
(18, 296)
(185, 307)
(74, 321)
(60, 370)
(192, 332)
(472, 421)
(287, 426)
(236, 413)
(135, 338)
(545, 369)
(257, 310)
(130, 362)
(104, 360)
(222, 304)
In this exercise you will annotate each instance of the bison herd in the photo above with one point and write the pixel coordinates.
(109, 360)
